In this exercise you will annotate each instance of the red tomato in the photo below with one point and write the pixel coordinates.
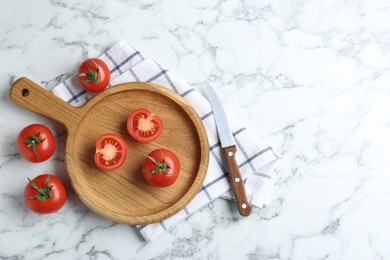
(36, 143)
(111, 151)
(161, 168)
(45, 194)
(94, 75)
(143, 126)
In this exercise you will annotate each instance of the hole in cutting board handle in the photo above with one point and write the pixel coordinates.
(25, 92)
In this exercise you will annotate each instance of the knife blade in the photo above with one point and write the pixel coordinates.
(229, 149)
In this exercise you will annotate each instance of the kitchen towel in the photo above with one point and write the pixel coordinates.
(255, 158)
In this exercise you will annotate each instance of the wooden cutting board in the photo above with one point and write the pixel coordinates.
(122, 195)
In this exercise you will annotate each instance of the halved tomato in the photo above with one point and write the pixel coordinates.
(144, 126)
(111, 151)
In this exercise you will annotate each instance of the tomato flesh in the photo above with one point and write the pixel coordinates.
(144, 126)
(111, 151)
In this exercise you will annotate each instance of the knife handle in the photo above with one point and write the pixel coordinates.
(237, 182)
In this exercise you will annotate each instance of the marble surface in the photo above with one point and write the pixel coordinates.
(311, 78)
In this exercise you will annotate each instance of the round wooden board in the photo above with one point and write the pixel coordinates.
(122, 195)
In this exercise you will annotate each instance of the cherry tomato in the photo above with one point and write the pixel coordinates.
(143, 126)
(94, 75)
(45, 194)
(36, 143)
(111, 151)
(161, 168)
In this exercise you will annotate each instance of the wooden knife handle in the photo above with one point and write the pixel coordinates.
(243, 205)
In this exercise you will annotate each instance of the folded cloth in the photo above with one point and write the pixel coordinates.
(255, 158)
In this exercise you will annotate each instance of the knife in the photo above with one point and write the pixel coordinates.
(229, 148)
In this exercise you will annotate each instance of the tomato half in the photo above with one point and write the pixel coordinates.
(161, 168)
(45, 194)
(144, 126)
(94, 75)
(111, 151)
(36, 143)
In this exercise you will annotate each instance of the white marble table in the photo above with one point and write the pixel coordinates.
(312, 78)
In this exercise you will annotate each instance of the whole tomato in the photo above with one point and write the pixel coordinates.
(94, 75)
(45, 194)
(161, 168)
(36, 143)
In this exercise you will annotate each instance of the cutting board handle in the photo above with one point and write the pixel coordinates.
(26, 93)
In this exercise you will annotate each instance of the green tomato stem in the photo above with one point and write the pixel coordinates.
(160, 166)
(32, 142)
(43, 193)
(92, 75)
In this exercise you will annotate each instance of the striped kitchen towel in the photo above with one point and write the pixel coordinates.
(255, 158)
